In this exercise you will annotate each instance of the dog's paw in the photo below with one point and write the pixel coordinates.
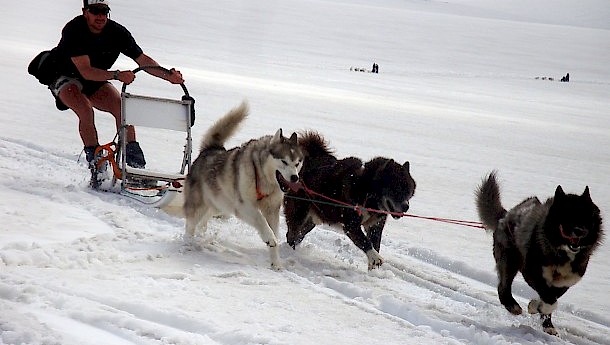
(293, 238)
(291, 243)
(375, 260)
(189, 240)
(533, 306)
(274, 257)
(547, 325)
(193, 244)
(538, 306)
(277, 267)
(515, 309)
(509, 302)
(551, 330)
(270, 239)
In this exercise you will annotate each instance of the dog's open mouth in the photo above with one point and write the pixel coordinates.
(573, 244)
(574, 247)
(395, 211)
(286, 185)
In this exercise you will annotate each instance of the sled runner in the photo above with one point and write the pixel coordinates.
(155, 187)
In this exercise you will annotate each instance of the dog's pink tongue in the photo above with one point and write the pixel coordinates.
(294, 186)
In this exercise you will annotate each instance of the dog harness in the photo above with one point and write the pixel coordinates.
(259, 195)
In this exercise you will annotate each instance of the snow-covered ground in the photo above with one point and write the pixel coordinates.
(456, 95)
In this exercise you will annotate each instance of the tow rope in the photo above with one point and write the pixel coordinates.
(338, 203)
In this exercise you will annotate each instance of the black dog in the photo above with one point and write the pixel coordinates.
(380, 184)
(550, 243)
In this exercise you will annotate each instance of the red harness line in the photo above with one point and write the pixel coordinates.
(359, 209)
(259, 195)
(572, 239)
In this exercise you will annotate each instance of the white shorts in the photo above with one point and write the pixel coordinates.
(63, 82)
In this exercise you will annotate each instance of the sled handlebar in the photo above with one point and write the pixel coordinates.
(144, 68)
(186, 96)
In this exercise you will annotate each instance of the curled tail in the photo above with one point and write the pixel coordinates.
(314, 145)
(488, 202)
(224, 127)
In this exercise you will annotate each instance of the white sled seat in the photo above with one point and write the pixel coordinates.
(156, 112)
(153, 174)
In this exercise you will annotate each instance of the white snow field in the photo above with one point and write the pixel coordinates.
(460, 92)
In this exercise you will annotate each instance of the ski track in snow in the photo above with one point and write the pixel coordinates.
(414, 288)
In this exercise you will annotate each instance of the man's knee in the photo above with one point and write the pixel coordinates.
(80, 105)
(107, 98)
(75, 100)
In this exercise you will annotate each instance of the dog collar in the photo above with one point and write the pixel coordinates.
(259, 195)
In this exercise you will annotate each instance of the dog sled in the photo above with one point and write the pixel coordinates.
(155, 187)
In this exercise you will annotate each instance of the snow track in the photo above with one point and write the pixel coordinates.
(124, 276)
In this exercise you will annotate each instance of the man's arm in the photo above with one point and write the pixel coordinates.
(174, 77)
(83, 64)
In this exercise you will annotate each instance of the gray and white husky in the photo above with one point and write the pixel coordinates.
(550, 243)
(245, 181)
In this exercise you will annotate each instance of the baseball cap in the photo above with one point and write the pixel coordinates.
(87, 3)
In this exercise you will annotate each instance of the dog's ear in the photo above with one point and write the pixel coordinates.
(406, 165)
(559, 193)
(585, 195)
(293, 138)
(277, 137)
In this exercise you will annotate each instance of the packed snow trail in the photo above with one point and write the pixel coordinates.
(106, 266)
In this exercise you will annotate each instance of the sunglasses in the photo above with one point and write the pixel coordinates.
(99, 10)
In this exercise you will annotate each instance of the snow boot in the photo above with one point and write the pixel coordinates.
(90, 153)
(92, 159)
(134, 155)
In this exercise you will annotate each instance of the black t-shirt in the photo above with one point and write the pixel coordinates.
(103, 49)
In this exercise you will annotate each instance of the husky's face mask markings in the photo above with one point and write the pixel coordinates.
(550, 243)
(288, 159)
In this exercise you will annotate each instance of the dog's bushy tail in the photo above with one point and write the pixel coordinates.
(314, 145)
(224, 127)
(488, 202)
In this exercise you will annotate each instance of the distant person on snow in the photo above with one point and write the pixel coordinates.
(90, 44)
(566, 78)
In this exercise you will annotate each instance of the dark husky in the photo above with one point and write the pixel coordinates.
(550, 243)
(380, 184)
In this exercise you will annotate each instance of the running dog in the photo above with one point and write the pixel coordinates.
(550, 243)
(380, 184)
(247, 181)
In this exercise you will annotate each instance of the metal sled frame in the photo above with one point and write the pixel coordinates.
(161, 113)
